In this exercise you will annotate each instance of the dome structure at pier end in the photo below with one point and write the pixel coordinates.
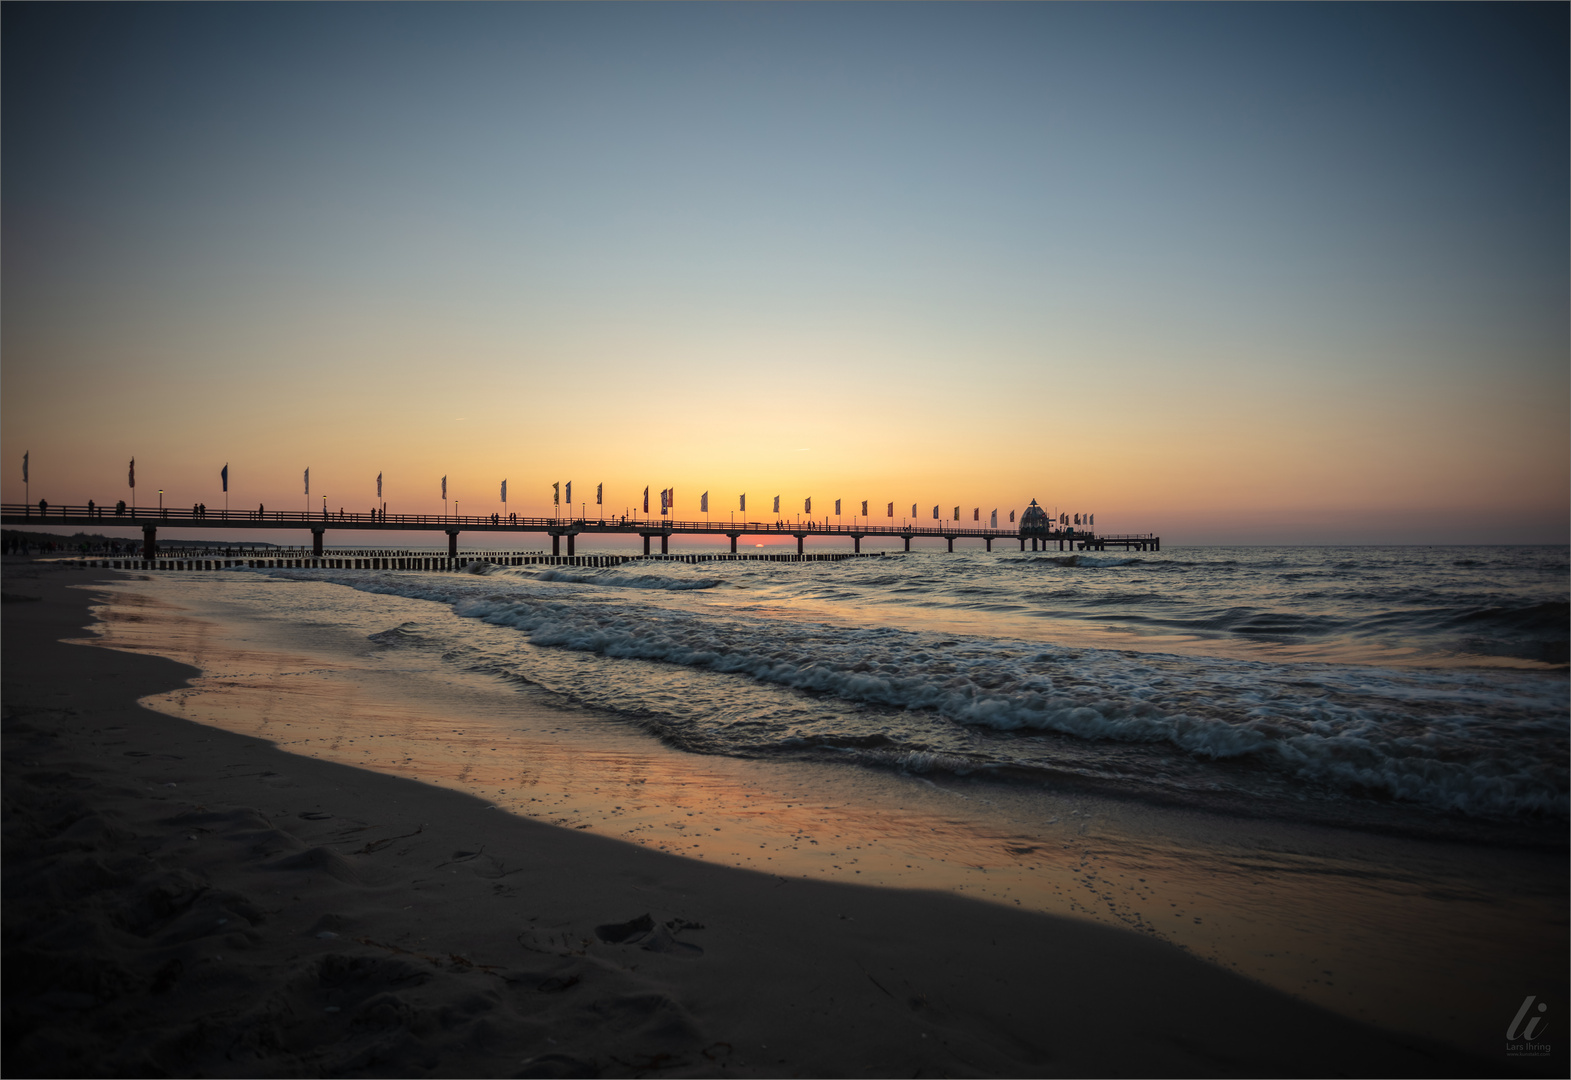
(1035, 522)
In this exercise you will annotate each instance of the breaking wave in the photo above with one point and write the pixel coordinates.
(746, 672)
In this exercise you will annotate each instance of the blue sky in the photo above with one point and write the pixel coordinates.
(1247, 268)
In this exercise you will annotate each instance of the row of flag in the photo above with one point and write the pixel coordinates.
(667, 498)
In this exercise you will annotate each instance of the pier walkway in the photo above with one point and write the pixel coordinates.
(150, 520)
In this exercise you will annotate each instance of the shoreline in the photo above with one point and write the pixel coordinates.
(502, 941)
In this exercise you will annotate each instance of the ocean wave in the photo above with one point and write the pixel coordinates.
(403, 634)
(1090, 561)
(629, 581)
(1490, 744)
(1097, 561)
(1246, 622)
(1232, 713)
(1549, 618)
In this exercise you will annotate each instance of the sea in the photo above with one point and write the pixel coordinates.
(1341, 772)
(1389, 688)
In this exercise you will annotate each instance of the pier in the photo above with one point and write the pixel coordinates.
(1033, 530)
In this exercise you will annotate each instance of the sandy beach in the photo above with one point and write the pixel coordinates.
(181, 900)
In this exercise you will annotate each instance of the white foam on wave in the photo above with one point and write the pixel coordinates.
(1460, 741)
(1081, 559)
(628, 581)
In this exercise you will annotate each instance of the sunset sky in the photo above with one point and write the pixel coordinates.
(1231, 273)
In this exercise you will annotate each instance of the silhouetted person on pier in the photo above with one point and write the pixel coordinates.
(43, 507)
(89, 507)
(120, 508)
(260, 511)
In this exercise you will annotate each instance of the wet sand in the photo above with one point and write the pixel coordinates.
(186, 899)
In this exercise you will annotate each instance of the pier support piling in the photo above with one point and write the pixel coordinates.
(665, 543)
(452, 543)
(556, 545)
(733, 537)
(646, 545)
(799, 538)
(316, 541)
(570, 538)
(951, 540)
(856, 544)
(149, 541)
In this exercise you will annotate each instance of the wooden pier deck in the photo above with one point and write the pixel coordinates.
(151, 520)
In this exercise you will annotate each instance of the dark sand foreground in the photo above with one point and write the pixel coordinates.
(180, 900)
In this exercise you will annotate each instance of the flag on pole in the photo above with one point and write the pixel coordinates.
(837, 508)
(556, 493)
(1093, 519)
(599, 490)
(570, 494)
(378, 485)
(308, 481)
(743, 508)
(24, 465)
(891, 509)
(913, 510)
(777, 504)
(994, 525)
(665, 500)
(807, 505)
(957, 513)
(976, 513)
(504, 493)
(935, 513)
(646, 499)
(703, 502)
(672, 493)
(1077, 519)
(1011, 516)
(223, 475)
(444, 489)
(864, 507)
(132, 478)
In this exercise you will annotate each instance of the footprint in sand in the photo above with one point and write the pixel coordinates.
(651, 937)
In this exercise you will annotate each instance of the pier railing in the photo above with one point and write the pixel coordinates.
(154, 515)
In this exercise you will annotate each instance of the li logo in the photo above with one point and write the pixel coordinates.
(1516, 1031)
